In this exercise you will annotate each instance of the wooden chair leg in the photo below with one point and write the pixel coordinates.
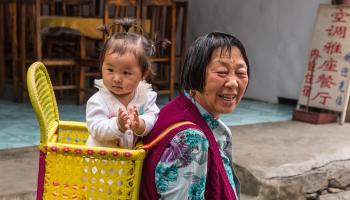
(14, 45)
(81, 85)
(82, 74)
(60, 83)
(22, 50)
(37, 43)
(2, 51)
(184, 6)
(172, 51)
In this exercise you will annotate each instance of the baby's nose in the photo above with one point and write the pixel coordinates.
(117, 79)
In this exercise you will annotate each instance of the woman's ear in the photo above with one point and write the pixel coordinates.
(192, 93)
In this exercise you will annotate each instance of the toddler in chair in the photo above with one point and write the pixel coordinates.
(124, 108)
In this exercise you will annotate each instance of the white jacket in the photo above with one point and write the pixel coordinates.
(102, 111)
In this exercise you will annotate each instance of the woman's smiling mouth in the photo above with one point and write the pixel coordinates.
(227, 97)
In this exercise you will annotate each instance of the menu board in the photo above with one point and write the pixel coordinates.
(326, 79)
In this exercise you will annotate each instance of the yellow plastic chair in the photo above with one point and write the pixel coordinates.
(67, 168)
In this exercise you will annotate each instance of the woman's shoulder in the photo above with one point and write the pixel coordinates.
(187, 147)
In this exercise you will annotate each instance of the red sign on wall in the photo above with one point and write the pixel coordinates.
(326, 80)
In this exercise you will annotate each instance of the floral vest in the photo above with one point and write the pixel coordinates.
(182, 109)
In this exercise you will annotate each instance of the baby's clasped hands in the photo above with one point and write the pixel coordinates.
(131, 121)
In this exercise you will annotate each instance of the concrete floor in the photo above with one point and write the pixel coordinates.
(19, 127)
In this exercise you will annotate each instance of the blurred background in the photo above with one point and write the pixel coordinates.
(63, 35)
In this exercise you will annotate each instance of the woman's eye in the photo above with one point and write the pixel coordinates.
(110, 70)
(222, 72)
(242, 73)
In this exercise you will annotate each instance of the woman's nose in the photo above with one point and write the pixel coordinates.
(232, 81)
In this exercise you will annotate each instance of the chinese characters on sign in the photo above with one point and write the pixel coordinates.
(326, 80)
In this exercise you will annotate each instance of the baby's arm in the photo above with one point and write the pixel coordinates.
(150, 114)
(101, 126)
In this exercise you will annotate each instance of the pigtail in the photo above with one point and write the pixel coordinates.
(104, 29)
(127, 23)
(139, 44)
(162, 43)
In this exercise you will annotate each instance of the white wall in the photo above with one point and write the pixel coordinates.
(276, 34)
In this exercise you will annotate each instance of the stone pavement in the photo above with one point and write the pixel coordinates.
(275, 161)
(293, 160)
(18, 169)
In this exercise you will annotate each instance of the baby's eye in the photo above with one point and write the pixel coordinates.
(127, 73)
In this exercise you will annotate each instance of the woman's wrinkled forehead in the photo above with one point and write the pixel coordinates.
(231, 58)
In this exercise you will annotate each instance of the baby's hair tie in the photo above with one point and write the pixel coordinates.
(127, 23)
(153, 49)
(104, 29)
(163, 43)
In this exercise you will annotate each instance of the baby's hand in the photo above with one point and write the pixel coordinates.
(136, 124)
(123, 120)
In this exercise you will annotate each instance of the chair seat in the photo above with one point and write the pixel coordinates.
(60, 62)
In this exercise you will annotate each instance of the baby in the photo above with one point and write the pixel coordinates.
(125, 107)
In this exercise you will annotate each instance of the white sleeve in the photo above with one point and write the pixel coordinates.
(151, 112)
(100, 126)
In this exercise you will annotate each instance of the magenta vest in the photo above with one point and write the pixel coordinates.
(182, 109)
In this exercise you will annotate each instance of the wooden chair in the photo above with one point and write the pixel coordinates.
(114, 9)
(20, 16)
(30, 36)
(182, 19)
(2, 50)
(76, 7)
(10, 8)
(60, 65)
(164, 16)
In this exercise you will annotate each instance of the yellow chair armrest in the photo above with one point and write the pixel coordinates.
(73, 125)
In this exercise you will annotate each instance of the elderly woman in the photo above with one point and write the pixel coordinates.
(193, 160)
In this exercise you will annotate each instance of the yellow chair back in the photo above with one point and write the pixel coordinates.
(43, 99)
